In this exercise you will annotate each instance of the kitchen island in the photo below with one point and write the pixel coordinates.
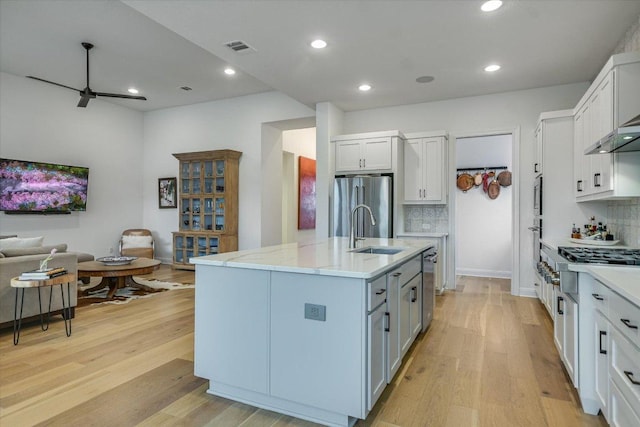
(311, 330)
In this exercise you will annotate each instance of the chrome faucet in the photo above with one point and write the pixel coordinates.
(352, 234)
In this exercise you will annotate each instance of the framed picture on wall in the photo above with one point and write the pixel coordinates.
(167, 198)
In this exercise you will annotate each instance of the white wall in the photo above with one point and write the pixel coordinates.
(235, 124)
(329, 122)
(483, 242)
(41, 122)
(476, 115)
(299, 142)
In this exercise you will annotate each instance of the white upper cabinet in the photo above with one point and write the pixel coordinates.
(425, 170)
(611, 100)
(364, 155)
(537, 164)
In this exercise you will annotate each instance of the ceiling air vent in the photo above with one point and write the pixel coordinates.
(239, 46)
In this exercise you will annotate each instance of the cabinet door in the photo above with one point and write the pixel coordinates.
(601, 331)
(393, 325)
(558, 320)
(433, 164)
(376, 153)
(405, 318)
(537, 165)
(413, 170)
(578, 154)
(348, 156)
(570, 348)
(376, 351)
(415, 314)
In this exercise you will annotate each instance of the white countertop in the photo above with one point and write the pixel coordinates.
(322, 257)
(624, 280)
(421, 234)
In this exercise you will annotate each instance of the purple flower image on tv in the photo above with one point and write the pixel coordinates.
(31, 186)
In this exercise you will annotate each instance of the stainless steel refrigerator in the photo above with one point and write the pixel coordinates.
(373, 191)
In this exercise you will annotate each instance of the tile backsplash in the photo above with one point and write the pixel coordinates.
(624, 221)
(426, 219)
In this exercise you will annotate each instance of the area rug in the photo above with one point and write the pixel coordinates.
(127, 294)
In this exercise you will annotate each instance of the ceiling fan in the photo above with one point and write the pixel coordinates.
(86, 94)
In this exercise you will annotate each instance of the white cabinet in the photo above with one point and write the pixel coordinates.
(394, 359)
(410, 312)
(376, 347)
(609, 102)
(565, 332)
(601, 351)
(425, 170)
(363, 155)
(537, 164)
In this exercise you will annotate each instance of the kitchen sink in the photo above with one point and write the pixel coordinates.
(377, 250)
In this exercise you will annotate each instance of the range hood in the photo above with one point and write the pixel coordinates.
(625, 138)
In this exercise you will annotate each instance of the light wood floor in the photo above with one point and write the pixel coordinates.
(487, 360)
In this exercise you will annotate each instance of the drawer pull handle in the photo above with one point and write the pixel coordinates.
(598, 297)
(414, 294)
(388, 316)
(628, 324)
(381, 291)
(560, 312)
(602, 333)
(396, 274)
(629, 375)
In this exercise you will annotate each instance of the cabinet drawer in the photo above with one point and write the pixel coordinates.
(411, 268)
(625, 368)
(376, 292)
(621, 412)
(601, 297)
(626, 317)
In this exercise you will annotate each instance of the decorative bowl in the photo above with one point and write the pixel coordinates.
(117, 260)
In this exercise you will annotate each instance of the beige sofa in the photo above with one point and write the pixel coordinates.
(15, 261)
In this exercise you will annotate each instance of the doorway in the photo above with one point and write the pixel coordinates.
(484, 229)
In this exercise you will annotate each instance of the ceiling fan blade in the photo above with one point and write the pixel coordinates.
(53, 83)
(84, 100)
(115, 95)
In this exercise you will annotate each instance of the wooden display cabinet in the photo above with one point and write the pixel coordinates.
(208, 205)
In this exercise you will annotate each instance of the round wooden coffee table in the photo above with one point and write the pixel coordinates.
(116, 276)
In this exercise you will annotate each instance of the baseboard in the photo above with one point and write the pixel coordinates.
(483, 273)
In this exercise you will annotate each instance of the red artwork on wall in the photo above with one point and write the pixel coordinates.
(306, 193)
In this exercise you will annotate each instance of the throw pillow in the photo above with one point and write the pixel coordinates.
(20, 242)
(62, 247)
(129, 242)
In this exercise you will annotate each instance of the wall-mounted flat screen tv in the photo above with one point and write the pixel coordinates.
(42, 187)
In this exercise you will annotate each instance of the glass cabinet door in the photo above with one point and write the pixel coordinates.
(202, 246)
(213, 245)
(219, 213)
(208, 177)
(208, 214)
(179, 249)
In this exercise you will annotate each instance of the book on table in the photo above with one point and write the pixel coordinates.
(43, 275)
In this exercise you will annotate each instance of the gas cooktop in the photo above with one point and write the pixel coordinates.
(600, 255)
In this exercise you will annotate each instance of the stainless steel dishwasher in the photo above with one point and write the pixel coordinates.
(429, 259)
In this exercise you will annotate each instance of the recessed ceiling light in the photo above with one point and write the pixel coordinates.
(602, 151)
(318, 44)
(425, 79)
(491, 5)
(364, 87)
(229, 71)
(133, 90)
(491, 68)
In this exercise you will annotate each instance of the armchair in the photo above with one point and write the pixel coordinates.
(137, 242)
